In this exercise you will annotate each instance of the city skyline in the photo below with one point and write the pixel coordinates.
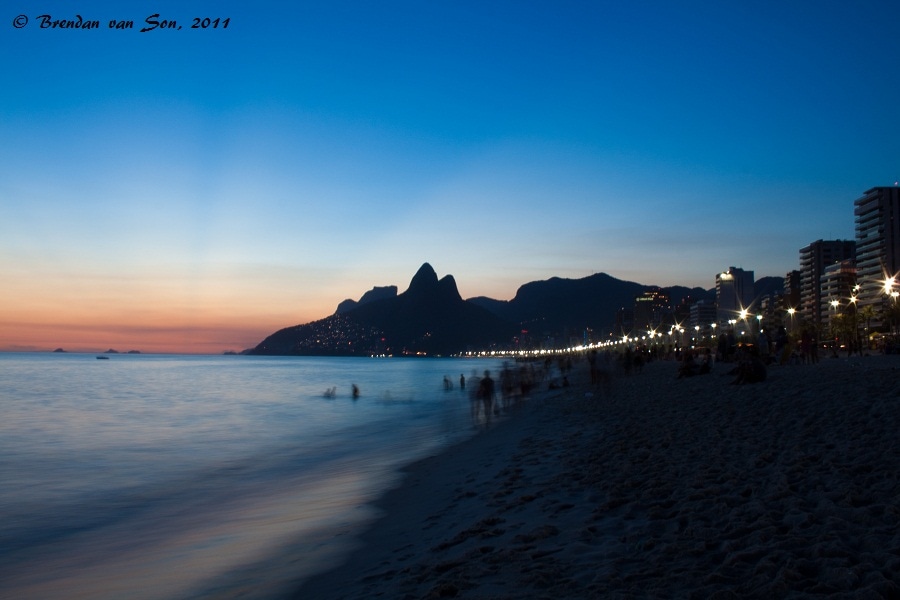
(195, 190)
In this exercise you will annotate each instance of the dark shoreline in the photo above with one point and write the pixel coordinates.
(666, 487)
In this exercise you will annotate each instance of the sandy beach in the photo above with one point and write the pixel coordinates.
(655, 488)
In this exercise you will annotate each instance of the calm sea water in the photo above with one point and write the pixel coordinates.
(155, 476)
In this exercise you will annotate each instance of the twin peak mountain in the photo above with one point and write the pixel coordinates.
(431, 319)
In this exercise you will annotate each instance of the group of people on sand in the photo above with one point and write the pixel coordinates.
(690, 366)
(749, 363)
(490, 397)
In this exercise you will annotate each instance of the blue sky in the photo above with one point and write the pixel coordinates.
(193, 190)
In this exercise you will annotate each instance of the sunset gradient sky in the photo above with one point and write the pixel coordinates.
(195, 190)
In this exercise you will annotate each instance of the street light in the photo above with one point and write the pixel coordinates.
(894, 295)
(743, 317)
(834, 325)
(856, 340)
(888, 303)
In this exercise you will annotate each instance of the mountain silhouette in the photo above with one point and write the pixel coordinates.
(557, 306)
(429, 318)
(376, 293)
(766, 286)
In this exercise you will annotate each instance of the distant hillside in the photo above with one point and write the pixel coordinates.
(556, 305)
(376, 293)
(429, 318)
(766, 286)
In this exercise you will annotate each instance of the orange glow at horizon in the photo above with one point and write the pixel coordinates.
(183, 338)
(154, 311)
(151, 325)
(175, 308)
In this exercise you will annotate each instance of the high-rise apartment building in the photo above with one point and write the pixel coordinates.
(813, 260)
(792, 290)
(651, 309)
(837, 283)
(734, 292)
(877, 242)
(702, 317)
(624, 322)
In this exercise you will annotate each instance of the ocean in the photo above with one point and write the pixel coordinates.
(169, 476)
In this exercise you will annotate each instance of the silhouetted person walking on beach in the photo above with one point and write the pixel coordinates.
(592, 362)
(805, 347)
(688, 366)
(486, 393)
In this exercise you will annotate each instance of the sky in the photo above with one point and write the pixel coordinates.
(193, 190)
